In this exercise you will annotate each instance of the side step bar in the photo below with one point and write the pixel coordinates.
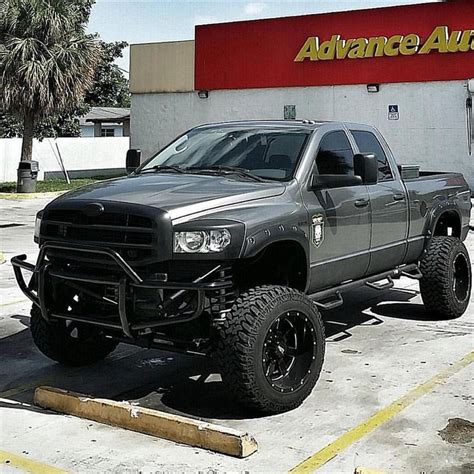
(331, 302)
(381, 286)
(331, 297)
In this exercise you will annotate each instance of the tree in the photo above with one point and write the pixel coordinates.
(109, 89)
(47, 61)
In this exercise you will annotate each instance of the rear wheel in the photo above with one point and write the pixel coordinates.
(69, 342)
(271, 348)
(446, 283)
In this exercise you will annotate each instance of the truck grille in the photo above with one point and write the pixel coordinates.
(130, 235)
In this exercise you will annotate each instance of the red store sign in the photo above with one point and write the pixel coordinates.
(426, 42)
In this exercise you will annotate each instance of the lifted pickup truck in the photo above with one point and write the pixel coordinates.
(231, 240)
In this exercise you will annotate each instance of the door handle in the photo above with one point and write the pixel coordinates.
(361, 202)
(399, 197)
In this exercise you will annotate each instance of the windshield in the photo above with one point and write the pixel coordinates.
(267, 152)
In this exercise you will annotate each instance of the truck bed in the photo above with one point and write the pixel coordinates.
(431, 192)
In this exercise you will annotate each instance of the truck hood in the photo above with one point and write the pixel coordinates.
(179, 194)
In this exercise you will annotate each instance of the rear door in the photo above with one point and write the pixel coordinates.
(339, 221)
(388, 203)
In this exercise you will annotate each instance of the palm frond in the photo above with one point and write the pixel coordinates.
(47, 62)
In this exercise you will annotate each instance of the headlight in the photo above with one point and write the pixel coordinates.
(39, 216)
(201, 241)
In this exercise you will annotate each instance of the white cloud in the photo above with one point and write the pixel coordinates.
(205, 19)
(255, 8)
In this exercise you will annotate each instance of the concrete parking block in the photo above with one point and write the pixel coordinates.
(152, 422)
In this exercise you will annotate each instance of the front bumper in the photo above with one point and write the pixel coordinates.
(211, 281)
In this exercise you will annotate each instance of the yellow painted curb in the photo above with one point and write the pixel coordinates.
(2, 258)
(15, 196)
(177, 428)
(26, 464)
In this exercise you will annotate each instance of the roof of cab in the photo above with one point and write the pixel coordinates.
(308, 124)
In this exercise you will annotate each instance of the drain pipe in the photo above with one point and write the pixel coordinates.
(469, 121)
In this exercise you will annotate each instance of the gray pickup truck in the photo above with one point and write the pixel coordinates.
(229, 242)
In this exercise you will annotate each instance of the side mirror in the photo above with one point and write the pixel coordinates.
(133, 160)
(325, 181)
(366, 166)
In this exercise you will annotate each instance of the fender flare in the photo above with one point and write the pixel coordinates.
(262, 239)
(258, 241)
(434, 216)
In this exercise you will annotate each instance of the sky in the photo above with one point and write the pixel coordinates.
(145, 21)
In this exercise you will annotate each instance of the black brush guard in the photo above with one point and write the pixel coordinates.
(35, 289)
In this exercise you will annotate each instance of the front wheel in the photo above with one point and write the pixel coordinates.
(271, 348)
(446, 283)
(69, 342)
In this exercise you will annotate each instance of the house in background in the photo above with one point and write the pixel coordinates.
(106, 122)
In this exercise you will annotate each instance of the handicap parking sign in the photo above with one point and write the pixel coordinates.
(393, 112)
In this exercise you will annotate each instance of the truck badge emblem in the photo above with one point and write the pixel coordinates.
(317, 230)
(93, 209)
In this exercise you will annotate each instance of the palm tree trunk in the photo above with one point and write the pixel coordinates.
(27, 143)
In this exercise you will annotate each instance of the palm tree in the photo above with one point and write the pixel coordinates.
(47, 61)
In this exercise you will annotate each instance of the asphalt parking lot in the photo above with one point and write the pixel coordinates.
(382, 347)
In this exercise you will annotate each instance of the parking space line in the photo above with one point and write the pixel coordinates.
(28, 465)
(384, 415)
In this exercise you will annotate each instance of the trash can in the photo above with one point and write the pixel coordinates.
(27, 176)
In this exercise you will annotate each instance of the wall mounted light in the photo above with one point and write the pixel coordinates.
(470, 86)
(371, 88)
(203, 94)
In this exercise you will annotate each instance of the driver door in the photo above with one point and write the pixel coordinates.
(339, 218)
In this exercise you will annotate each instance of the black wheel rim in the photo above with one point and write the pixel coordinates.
(74, 330)
(289, 351)
(461, 278)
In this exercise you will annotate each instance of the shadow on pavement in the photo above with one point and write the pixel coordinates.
(408, 311)
(172, 382)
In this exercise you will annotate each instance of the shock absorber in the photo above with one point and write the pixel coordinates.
(221, 300)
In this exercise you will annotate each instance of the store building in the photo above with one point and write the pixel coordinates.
(403, 69)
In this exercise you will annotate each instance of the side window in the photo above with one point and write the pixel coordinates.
(335, 155)
(368, 143)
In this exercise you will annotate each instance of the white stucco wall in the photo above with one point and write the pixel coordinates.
(431, 130)
(87, 155)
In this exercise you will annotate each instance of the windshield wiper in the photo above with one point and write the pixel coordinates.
(225, 170)
(158, 168)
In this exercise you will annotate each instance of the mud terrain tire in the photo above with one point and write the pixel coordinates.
(446, 283)
(57, 341)
(270, 331)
